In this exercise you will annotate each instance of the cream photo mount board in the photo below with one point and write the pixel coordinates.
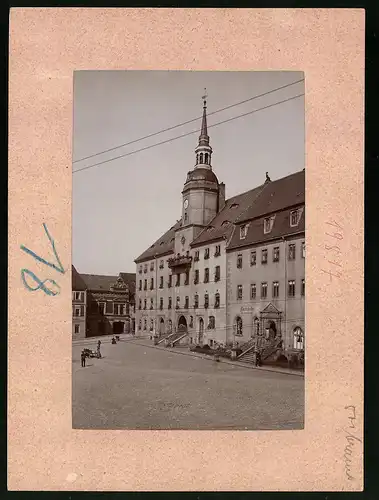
(46, 47)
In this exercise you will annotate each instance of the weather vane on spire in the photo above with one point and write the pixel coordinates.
(204, 97)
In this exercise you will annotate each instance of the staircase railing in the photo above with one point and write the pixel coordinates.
(271, 348)
(182, 335)
(165, 336)
(174, 337)
(247, 346)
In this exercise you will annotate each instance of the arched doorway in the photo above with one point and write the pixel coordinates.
(298, 338)
(201, 330)
(161, 326)
(182, 325)
(118, 327)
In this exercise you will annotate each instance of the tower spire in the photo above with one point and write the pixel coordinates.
(203, 150)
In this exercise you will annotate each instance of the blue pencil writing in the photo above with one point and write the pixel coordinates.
(60, 269)
(40, 284)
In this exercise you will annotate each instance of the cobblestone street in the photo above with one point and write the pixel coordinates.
(136, 386)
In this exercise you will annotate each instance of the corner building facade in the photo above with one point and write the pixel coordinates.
(230, 271)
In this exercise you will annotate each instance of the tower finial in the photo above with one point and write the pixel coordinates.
(204, 97)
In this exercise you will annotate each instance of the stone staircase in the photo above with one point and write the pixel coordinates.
(165, 336)
(178, 339)
(247, 348)
(248, 351)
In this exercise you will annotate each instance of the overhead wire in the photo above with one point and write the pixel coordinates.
(186, 134)
(187, 122)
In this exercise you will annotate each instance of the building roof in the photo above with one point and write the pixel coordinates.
(277, 195)
(130, 280)
(255, 232)
(201, 174)
(221, 226)
(163, 246)
(77, 281)
(270, 197)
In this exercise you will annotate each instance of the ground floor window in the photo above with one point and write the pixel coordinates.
(77, 328)
(298, 338)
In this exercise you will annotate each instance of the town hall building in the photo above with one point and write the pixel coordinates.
(230, 271)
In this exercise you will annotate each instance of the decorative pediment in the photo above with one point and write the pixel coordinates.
(270, 309)
(119, 285)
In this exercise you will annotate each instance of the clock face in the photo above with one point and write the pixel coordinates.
(185, 204)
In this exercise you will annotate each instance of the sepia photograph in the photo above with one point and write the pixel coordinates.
(188, 250)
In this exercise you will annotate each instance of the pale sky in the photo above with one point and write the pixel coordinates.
(121, 207)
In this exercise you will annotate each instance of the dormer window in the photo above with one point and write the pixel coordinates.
(294, 218)
(234, 205)
(267, 224)
(243, 232)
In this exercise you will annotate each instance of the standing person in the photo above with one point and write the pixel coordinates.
(83, 357)
(98, 349)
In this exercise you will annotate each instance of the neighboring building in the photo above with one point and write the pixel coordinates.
(229, 270)
(79, 305)
(104, 304)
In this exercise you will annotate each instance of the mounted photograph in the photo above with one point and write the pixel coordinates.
(188, 275)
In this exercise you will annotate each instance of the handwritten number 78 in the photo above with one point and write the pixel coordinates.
(41, 284)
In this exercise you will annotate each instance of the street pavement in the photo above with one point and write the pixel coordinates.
(136, 386)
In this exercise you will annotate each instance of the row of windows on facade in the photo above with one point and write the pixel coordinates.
(217, 277)
(211, 324)
(291, 290)
(268, 223)
(144, 268)
(275, 255)
(102, 308)
(178, 302)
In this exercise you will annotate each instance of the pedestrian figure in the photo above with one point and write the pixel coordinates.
(83, 356)
(258, 359)
(98, 349)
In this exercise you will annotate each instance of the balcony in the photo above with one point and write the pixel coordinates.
(181, 261)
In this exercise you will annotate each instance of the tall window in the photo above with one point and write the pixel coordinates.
(140, 269)
(294, 218)
(303, 249)
(303, 287)
(169, 326)
(161, 303)
(140, 324)
(161, 282)
(186, 281)
(196, 278)
(217, 273)
(264, 256)
(264, 290)
(201, 158)
(151, 324)
(218, 251)
(239, 261)
(275, 289)
(144, 303)
(206, 301)
(177, 302)
(77, 328)
(238, 326)
(170, 302)
(196, 301)
(151, 283)
(206, 253)
(239, 292)
(298, 338)
(101, 306)
(78, 296)
(291, 288)
(151, 303)
(211, 323)
(186, 302)
(243, 232)
(185, 217)
(145, 324)
(145, 284)
(275, 254)
(253, 291)
(178, 279)
(145, 268)
(161, 264)
(140, 304)
(169, 284)
(253, 258)
(217, 300)
(206, 275)
(267, 224)
(140, 285)
(292, 251)
(197, 256)
(119, 309)
(152, 266)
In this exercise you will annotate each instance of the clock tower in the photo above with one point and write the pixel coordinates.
(201, 193)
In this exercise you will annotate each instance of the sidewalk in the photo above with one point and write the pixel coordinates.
(145, 341)
(185, 351)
